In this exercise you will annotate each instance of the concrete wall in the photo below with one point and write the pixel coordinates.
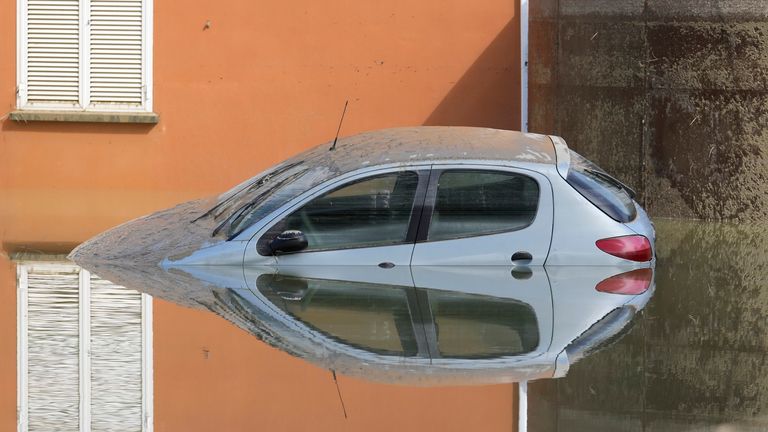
(265, 81)
(670, 95)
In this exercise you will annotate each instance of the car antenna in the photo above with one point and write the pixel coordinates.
(333, 147)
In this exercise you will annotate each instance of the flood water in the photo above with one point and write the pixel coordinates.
(695, 360)
(423, 326)
(685, 351)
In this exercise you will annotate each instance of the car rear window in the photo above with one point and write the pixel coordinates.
(602, 190)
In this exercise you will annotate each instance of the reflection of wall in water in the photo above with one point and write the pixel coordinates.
(697, 356)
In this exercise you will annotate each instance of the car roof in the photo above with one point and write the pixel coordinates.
(434, 143)
(420, 145)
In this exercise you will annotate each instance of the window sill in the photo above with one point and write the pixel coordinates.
(84, 116)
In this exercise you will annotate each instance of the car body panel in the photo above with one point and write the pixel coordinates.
(642, 225)
(577, 225)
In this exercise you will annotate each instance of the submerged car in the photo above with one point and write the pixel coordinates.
(405, 196)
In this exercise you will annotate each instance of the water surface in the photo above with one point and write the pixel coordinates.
(696, 359)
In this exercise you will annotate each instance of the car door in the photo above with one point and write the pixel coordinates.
(485, 215)
(370, 219)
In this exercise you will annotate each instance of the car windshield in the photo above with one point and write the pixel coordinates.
(252, 200)
(605, 192)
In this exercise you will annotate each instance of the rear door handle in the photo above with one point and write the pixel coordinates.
(522, 256)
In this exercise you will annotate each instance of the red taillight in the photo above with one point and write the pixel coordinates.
(632, 282)
(631, 247)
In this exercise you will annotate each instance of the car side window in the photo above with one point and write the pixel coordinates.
(478, 202)
(375, 211)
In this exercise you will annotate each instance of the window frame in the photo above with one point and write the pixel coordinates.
(23, 268)
(422, 173)
(431, 198)
(84, 102)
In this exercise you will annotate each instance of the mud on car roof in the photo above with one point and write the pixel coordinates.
(431, 143)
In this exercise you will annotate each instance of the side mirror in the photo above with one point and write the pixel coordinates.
(288, 241)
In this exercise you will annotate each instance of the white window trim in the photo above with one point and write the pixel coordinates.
(22, 348)
(22, 102)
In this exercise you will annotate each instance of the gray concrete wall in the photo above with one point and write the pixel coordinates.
(669, 95)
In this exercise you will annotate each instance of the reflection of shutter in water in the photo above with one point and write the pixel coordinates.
(84, 340)
(115, 357)
(53, 341)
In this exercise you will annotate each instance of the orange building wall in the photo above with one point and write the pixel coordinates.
(265, 81)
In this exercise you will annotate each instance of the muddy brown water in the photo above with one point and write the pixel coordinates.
(695, 360)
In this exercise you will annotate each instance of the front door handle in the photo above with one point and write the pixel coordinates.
(522, 256)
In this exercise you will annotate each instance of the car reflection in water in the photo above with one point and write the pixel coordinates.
(415, 325)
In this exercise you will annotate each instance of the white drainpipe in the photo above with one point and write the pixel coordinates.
(524, 65)
(522, 419)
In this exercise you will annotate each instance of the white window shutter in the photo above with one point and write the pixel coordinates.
(92, 55)
(52, 52)
(53, 346)
(116, 53)
(116, 364)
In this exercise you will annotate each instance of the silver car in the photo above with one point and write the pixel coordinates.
(407, 196)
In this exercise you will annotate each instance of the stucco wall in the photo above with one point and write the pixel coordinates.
(670, 95)
(265, 81)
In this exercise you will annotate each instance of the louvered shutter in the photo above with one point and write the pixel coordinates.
(116, 73)
(83, 352)
(53, 52)
(53, 347)
(115, 357)
(92, 55)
